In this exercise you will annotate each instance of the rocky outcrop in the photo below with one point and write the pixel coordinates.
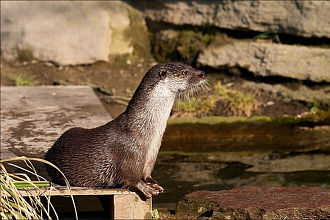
(301, 93)
(268, 59)
(257, 203)
(300, 18)
(65, 32)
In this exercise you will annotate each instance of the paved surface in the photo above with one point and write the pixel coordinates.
(32, 118)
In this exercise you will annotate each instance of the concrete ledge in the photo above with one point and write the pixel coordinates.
(32, 118)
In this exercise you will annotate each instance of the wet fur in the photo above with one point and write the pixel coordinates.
(122, 153)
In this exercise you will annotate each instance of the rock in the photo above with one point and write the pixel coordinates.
(270, 103)
(64, 32)
(301, 18)
(257, 203)
(170, 44)
(119, 24)
(268, 59)
(302, 93)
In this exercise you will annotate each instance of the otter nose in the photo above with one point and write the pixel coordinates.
(202, 74)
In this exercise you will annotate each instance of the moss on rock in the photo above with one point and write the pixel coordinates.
(184, 44)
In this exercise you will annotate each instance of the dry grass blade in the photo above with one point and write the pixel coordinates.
(205, 103)
(13, 205)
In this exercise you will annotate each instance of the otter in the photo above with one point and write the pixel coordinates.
(122, 153)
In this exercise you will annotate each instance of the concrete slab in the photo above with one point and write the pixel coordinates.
(32, 118)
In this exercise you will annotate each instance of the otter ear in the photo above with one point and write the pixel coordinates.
(162, 73)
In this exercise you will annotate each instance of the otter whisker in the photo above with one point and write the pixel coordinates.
(194, 91)
(207, 83)
(187, 95)
(180, 99)
(183, 96)
(199, 90)
(192, 96)
(206, 88)
(204, 91)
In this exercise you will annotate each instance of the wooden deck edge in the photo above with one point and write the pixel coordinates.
(75, 191)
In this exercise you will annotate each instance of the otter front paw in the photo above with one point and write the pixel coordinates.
(143, 190)
(153, 184)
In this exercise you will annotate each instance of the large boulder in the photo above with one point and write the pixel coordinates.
(301, 18)
(269, 59)
(64, 32)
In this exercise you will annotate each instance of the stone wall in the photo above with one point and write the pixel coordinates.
(268, 39)
(286, 41)
(301, 18)
(270, 59)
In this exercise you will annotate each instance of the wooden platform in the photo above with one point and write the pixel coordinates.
(32, 118)
(119, 203)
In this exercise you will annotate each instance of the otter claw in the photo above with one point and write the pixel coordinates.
(155, 186)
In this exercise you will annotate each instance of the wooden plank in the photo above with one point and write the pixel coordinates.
(75, 191)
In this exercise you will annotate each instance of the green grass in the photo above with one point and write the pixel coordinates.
(265, 35)
(13, 205)
(236, 102)
(21, 80)
(155, 214)
(315, 108)
(25, 184)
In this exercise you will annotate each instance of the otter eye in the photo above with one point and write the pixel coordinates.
(184, 72)
(162, 73)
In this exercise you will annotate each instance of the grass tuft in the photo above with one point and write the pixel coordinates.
(234, 101)
(21, 80)
(13, 205)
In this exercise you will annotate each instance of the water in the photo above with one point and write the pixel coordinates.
(182, 173)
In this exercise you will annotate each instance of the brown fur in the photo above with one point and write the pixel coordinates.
(122, 153)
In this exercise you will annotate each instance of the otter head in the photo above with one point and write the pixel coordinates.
(179, 77)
